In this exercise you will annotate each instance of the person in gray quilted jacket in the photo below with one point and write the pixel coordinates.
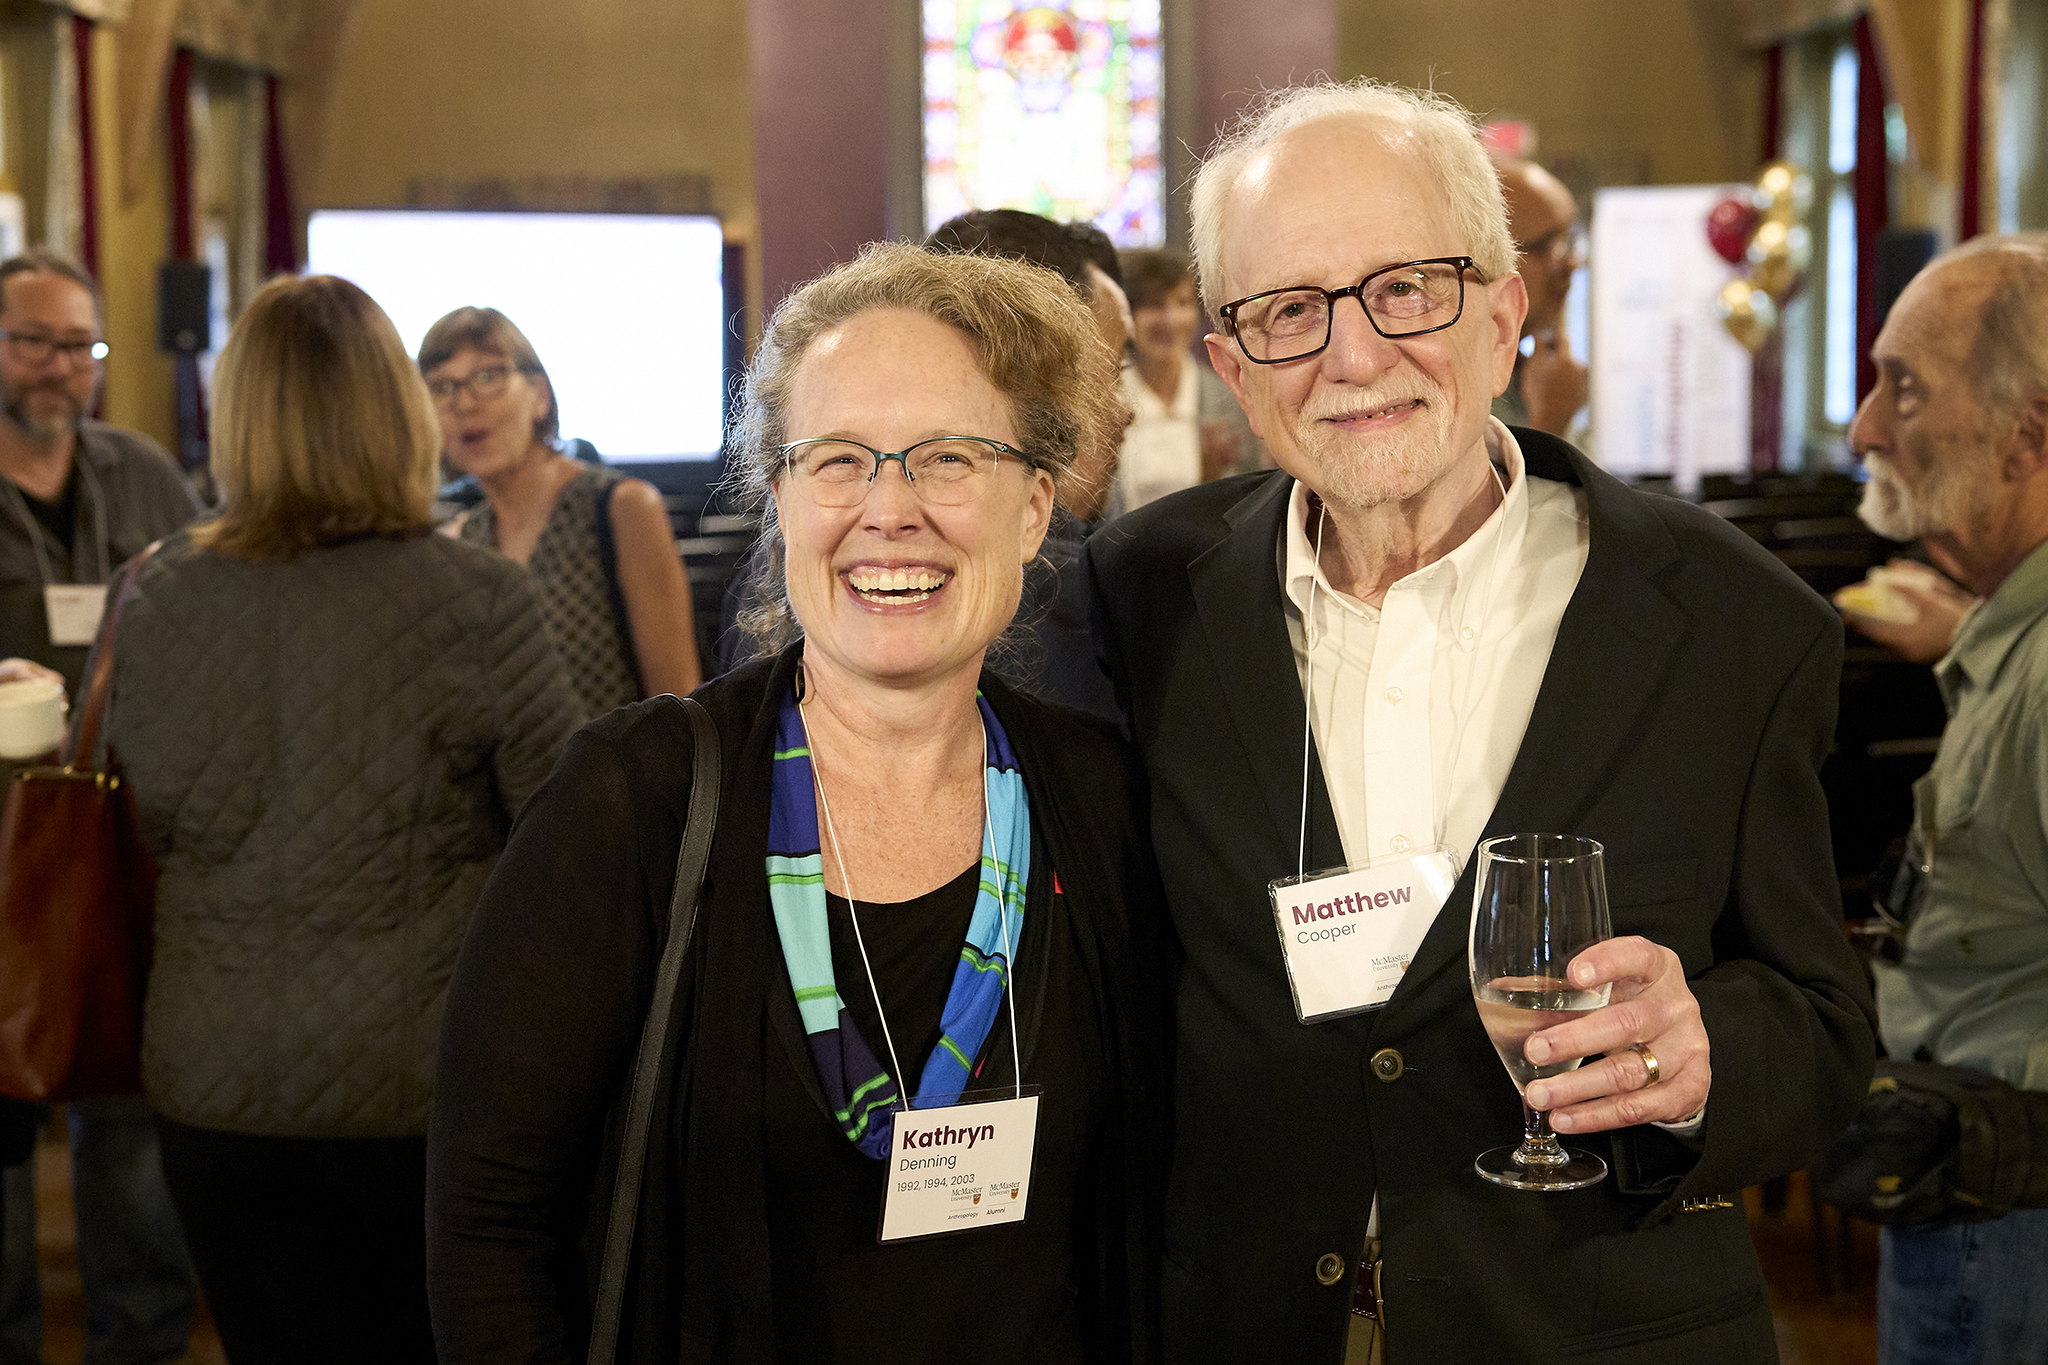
(329, 716)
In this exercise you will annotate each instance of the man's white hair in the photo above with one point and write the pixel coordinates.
(1446, 139)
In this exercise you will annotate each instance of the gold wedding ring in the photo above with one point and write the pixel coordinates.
(1649, 1061)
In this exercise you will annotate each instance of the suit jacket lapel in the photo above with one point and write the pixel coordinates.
(1236, 588)
(1619, 637)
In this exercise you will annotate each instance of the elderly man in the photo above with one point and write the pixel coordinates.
(1422, 630)
(1955, 437)
(1549, 384)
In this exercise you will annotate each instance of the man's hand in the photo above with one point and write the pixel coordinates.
(27, 670)
(1554, 385)
(1937, 605)
(1650, 1004)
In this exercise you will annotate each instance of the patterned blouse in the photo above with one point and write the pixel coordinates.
(575, 573)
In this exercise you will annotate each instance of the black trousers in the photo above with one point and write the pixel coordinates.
(311, 1250)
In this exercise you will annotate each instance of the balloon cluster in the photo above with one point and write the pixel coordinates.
(1763, 232)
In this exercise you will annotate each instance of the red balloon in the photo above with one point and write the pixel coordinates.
(1729, 225)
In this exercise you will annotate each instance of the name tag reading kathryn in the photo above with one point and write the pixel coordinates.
(959, 1168)
(1348, 935)
(73, 611)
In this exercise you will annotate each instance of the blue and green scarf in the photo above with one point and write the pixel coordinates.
(857, 1086)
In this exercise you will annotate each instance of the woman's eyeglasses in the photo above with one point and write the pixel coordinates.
(946, 471)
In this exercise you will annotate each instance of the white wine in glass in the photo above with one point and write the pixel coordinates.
(1538, 901)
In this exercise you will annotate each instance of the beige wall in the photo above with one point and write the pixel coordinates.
(1635, 88)
(487, 88)
(134, 238)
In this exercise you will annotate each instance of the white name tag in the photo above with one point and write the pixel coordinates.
(1348, 935)
(74, 611)
(962, 1167)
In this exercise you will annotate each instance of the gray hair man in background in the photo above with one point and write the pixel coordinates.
(1955, 439)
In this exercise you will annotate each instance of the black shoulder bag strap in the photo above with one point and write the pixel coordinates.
(614, 595)
(652, 1060)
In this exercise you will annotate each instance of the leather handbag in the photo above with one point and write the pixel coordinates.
(657, 1038)
(1938, 1144)
(77, 910)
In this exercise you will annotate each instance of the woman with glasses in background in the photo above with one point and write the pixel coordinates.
(922, 883)
(612, 588)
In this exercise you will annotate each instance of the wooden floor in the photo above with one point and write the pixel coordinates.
(1819, 1322)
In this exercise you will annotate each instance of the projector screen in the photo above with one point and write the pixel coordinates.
(627, 311)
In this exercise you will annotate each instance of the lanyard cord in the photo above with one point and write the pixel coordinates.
(90, 490)
(1309, 636)
(853, 910)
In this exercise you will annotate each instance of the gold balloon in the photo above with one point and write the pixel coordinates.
(1784, 193)
(1748, 313)
(1778, 255)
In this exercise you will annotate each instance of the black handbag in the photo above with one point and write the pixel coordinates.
(1938, 1144)
(652, 1058)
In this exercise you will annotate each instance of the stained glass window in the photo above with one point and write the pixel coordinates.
(1051, 107)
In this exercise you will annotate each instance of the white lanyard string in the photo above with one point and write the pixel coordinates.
(1310, 634)
(903, 1083)
(1308, 688)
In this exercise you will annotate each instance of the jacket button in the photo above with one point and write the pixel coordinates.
(1330, 1269)
(1387, 1065)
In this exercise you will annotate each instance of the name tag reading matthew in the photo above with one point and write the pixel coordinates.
(73, 611)
(963, 1167)
(1348, 935)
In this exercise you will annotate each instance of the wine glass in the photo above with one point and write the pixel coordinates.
(1538, 902)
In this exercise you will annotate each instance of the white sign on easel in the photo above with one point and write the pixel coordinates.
(1671, 387)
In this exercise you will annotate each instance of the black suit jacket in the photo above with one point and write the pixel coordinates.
(1681, 721)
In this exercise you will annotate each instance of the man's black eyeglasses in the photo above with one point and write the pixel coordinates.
(1411, 299)
(33, 348)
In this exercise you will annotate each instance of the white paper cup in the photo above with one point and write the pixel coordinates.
(31, 718)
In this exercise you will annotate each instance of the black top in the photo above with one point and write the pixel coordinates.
(547, 1005)
(58, 516)
(837, 1289)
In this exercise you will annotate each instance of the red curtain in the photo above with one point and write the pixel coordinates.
(1774, 86)
(280, 227)
(88, 165)
(178, 125)
(1767, 367)
(1873, 200)
(1970, 214)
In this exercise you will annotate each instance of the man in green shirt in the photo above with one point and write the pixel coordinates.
(1955, 439)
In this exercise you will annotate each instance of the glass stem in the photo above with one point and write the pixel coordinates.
(1539, 1144)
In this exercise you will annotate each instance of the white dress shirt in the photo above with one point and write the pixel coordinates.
(1162, 450)
(1419, 706)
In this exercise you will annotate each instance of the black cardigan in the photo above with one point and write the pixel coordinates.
(546, 1006)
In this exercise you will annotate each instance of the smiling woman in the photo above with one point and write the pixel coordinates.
(926, 890)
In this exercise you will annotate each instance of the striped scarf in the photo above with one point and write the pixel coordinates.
(857, 1086)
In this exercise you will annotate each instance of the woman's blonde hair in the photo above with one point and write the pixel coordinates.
(1036, 342)
(322, 428)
